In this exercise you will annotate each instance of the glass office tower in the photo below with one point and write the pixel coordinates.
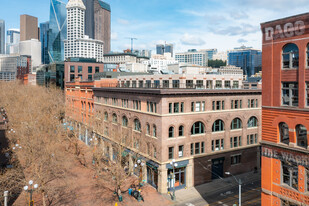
(44, 35)
(250, 60)
(57, 30)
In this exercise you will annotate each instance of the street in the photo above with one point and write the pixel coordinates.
(223, 193)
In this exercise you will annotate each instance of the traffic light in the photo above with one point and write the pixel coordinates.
(31, 203)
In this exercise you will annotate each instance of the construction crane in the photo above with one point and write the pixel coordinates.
(132, 39)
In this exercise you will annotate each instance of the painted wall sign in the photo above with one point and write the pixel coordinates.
(286, 156)
(285, 28)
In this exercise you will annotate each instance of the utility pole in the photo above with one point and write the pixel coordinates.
(6, 194)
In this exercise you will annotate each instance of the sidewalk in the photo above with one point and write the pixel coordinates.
(194, 194)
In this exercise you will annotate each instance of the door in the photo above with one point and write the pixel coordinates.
(217, 168)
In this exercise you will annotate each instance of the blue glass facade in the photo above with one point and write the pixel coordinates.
(57, 30)
(44, 35)
(249, 60)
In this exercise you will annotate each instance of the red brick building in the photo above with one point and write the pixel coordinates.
(285, 114)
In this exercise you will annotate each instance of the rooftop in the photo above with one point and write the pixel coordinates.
(179, 91)
(105, 5)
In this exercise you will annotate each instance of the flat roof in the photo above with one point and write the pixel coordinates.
(178, 91)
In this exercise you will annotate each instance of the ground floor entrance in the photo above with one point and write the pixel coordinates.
(152, 176)
(217, 168)
(178, 179)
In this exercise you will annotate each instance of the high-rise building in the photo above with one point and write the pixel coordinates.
(169, 48)
(165, 48)
(78, 44)
(102, 24)
(193, 57)
(57, 30)
(44, 35)
(2, 36)
(285, 114)
(12, 41)
(89, 18)
(160, 49)
(28, 27)
(250, 60)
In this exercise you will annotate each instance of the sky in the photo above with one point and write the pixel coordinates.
(188, 24)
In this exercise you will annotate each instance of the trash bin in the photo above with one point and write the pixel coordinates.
(120, 198)
(130, 191)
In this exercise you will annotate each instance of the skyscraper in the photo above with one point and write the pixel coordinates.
(2, 36)
(28, 27)
(169, 48)
(89, 18)
(44, 35)
(12, 41)
(102, 24)
(57, 30)
(250, 60)
(165, 48)
(160, 49)
(77, 43)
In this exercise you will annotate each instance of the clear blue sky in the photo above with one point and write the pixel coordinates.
(199, 24)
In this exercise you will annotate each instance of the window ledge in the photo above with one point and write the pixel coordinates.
(196, 135)
(287, 69)
(252, 127)
(218, 132)
(236, 130)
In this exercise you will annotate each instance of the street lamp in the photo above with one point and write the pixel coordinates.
(174, 165)
(239, 183)
(140, 164)
(30, 189)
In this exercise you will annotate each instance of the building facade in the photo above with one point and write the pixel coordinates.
(89, 18)
(14, 67)
(2, 36)
(165, 48)
(214, 129)
(210, 53)
(250, 60)
(31, 48)
(44, 37)
(78, 44)
(185, 81)
(84, 69)
(57, 30)
(102, 24)
(28, 27)
(285, 152)
(193, 57)
(12, 41)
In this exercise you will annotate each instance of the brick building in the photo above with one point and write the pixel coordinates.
(285, 114)
(207, 132)
(80, 103)
(81, 68)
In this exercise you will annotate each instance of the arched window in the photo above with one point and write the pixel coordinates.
(137, 125)
(301, 134)
(89, 107)
(171, 132)
(198, 128)
(218, 126)
(114, 118)
(154, 131)
(252, 122)
(82, 105)
(148, 129)
(236, 124)
(290, 56)
(124, 121)
(181, 131)
(105, 116)
(284, 133)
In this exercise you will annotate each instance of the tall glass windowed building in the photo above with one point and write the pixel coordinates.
(250, 60)
(44, 36)
(57, 30)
